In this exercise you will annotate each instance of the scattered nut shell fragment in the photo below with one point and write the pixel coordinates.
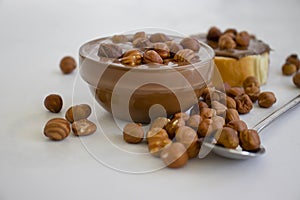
(53, 103)
(83, 127)
(57, 129)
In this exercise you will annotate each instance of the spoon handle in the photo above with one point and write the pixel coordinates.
(274, 115)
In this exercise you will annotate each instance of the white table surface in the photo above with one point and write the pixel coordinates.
(35, 35)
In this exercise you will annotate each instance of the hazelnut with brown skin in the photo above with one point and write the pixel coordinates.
(67, 64)
(230, 102)
(296, 79)
(249, 140)
(175, 155)
(243, 39)
(141, 42)
(140, 34)
(251, 87)
(237, 125)
(205, 127)
(266, 99)
(133, 133)
(207, 113)
(109, 50)
(231, 30)
(243, 104)
(219, 107)
(182, 115)
(197, 107)
(152, 56)
(231, 114)
(213, 34)
(226, 42)
(188, 137)
(235, 91)
(159, 37)
(174, 47)
(194, 121)
(293, 58)
(190, 43)
(57, 129)
(228, 138)
(288, 69)
(53, 103)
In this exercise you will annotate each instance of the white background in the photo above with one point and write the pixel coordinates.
(35, 35)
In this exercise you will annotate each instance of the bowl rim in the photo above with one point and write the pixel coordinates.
(209, 50)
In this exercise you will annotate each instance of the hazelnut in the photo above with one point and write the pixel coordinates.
(109, 51)
(214, 34)
(235, 91)
(78, 112)
(53, 103)
(243, 104)
(157, 140)
(194, 121)
(141, 43)
(173, 125)
(293, 58)
(159, 122)
(231, 114)
(159, 37)
(207, 113)
(152, 56)
(215, 95)
(67, 64)
(175, 155)
(266, 99)
(197, 107)
(250, 81)
(83, 127)
(140, 34)
(132, 58)
(186, 56)
(228, 138)
(249, 140)
(205, 127)
(162, 49)
(119, 39)
(182, 115)
(296, 79)
(243, 39)
(288, 69)
(57, 129)
(231, 30)
(174, 47)
(133, 133)
(226, 42)
(237, 125)
(188, 137)
(230, 102)
(190, 43)
(217, 122)
(219, 107)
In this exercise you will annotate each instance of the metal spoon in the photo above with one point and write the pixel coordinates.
(239, 153)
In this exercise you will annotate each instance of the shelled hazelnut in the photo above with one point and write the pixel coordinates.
(67, 64)
(57, 129)
(228, 138)
(214, 34)
(133, 133)
(243, 104)
(296, 79)
(266, 99)
(53, 103)
(226, 42)
(293, 58)
(175, 155)
(288, 69)
(249, 140)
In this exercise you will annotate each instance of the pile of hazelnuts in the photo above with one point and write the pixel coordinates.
(291, 67)
(177, 139)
